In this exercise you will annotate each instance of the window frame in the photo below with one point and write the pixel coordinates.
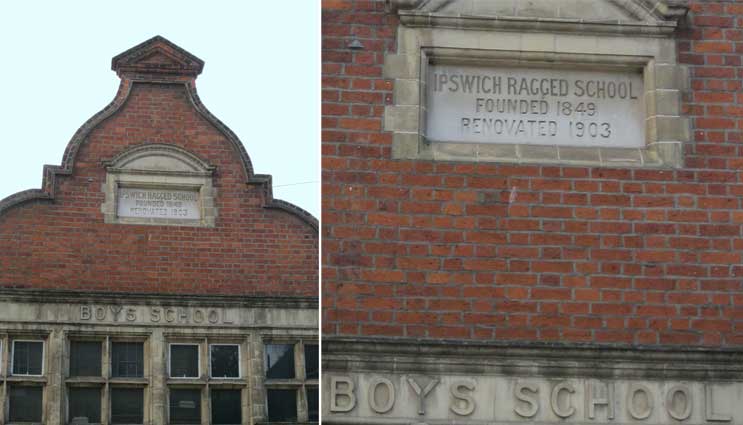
(201, 389)
(304, 355)
(109, 403)
(30, 384)
(101, 402)
(295, 358)
(43, 354)
(218, 388)
(198, 360)
(145, 362)
(239, 360)
(106, 382)
(101, 341)
(299, 384)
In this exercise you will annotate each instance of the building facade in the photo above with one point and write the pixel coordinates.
(153, 278)
(532, 212)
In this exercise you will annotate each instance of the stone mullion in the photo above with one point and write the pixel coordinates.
(256, 388)
(105, 404)
(53, 413)
(301, 375)
(205, 376)
(106, 373)
(158, 374)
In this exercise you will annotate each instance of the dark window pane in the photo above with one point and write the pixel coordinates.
(127, 359)
(185, 406)
(184, 361)
(25, 404)
(27, 357)
(280, 361)
(313, 402)
(85, 358)
(226, 407)
(311, 362)
(85, 405)
(282, 405)
(127, 405)
(225, 361)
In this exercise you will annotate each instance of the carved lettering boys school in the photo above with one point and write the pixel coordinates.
(160, 315)
(534, 399)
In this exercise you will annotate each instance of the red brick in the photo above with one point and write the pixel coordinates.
(628, 255)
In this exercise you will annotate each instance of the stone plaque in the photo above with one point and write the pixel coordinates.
(591, 108)
(158, 203)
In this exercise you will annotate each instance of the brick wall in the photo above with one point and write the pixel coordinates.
(64, 243)
(526, 252)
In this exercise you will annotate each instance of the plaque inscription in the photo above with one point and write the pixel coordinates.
(493, 399)
(592, 108)
(158, 203)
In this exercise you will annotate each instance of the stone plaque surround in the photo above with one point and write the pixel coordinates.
(158, 184)
(573, 48)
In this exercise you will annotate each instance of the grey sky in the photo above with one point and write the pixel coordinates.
(261, 78)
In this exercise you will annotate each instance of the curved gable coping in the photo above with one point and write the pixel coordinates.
(48, 185)
(260, 179)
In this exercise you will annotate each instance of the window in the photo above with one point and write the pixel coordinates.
(25, 403)
(28, 358)
(127, 359)
(90, 371)
(85, 358)
(224, 360)
(282, 405)
(127, 405)
(84, 405)
(185, 406)
(292, 372)
(280, 361)
(226, 407)
(313, 404)
(311, 361)
(23, 359)
(184, 361)
(215, 396)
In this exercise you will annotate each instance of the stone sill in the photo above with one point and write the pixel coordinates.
(543, 154)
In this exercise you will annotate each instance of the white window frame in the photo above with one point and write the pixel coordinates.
(239, 361)
(198, 360)
(12, 357)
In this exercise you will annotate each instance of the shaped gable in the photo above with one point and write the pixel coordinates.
(199, 219)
